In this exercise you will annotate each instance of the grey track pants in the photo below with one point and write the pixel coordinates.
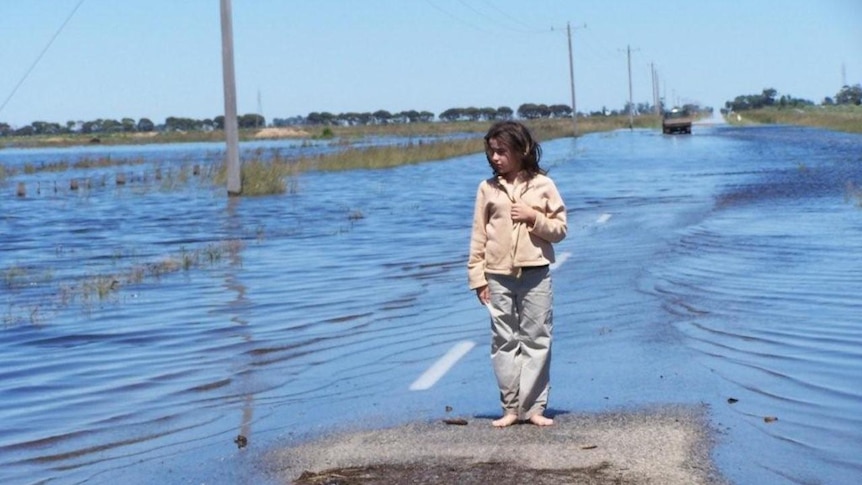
(521, 323)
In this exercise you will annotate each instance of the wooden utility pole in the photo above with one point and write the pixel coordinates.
(656, 99)
(631, 104)
(231, 130)
(572, 83)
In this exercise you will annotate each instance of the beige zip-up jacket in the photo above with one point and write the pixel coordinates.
(498, 245)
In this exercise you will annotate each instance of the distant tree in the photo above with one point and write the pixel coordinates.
(471, 114)
(451, 114)
(325, 118)
(644, 108)
(251, 120)
(487, 113)
(173, 123)
(533, 111)
(24, 131)
(328, 118)
(769, 96)
(753, 101)
(111, 126)
(527, 110)
(788, 101)
(504, 113)
(145, 125)
(426, 116)
(849, 95)
(129, 125)
(350, 118)
(5, 129)
(45, 128)
(218, 122)
(314, 118)
(560, 110)
(381, 117)
(409, 115)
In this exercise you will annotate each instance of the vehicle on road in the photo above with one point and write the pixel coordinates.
(677, 120)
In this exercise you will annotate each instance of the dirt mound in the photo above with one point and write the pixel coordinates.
(281, 133)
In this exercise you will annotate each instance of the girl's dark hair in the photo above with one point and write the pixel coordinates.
(517, 138)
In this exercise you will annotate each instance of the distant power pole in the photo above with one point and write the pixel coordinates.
(572, 83)
(631, 104)
(260, 108)
(656, 98)
(231, 131)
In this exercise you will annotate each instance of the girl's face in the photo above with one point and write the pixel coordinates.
(504, 161)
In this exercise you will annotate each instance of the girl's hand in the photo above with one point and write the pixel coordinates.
(521, 212)
(483, 294)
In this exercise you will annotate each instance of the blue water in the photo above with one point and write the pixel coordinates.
(698, 269)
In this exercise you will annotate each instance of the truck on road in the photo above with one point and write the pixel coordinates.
(676, 120)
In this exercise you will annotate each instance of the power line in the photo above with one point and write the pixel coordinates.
(41, 54)
(521, 28)
(599, 52)
(455, 17)
(515, 21)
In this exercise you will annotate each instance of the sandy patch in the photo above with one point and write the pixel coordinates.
(281, 133)
(55, 139)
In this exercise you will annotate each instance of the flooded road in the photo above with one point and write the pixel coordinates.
(146, 325)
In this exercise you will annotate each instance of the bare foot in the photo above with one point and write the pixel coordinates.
(506, 420)
(540, 420)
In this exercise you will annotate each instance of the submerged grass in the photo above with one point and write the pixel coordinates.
(417, 152)
(100, 287)
(276, 174)
(389, 156)
(262, 176)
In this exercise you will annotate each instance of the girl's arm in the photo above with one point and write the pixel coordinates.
(550, 223)
(478, 238)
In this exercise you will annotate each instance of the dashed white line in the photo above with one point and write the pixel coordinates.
(442, 366)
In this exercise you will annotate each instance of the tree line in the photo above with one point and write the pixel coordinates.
(848, 95)
(128, 125)
(253, 120)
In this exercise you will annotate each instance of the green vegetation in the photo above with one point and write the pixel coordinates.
(377, 157)
(847, 118)
(843, 113)
(263, 177)
(176, 129)
(276, 174)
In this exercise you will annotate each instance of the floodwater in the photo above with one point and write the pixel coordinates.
(146, 325)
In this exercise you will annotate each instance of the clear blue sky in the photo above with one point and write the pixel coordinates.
(160, 58)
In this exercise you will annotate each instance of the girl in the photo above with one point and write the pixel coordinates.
(518, 215)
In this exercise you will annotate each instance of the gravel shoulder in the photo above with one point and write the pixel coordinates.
(670, 445)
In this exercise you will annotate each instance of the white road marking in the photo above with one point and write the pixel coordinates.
(561, 258)
(603, 218)
(442, 366)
